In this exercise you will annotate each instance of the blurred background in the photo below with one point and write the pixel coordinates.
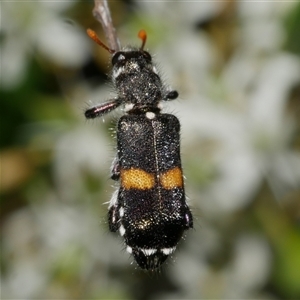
(236, 66)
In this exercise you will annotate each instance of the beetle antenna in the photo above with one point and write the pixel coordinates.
(93, 35)
(143, 36)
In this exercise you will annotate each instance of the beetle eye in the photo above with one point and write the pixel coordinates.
(147, 56)
(117, 57)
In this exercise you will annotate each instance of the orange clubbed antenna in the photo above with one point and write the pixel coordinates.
(143, 36)
(92, 34)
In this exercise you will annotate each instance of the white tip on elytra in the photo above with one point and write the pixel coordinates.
(148, 252)
(167, 251)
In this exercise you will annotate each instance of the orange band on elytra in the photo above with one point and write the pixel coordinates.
(171, 178)
(137, 179)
